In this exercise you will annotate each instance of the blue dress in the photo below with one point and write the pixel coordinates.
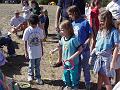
(104, 48)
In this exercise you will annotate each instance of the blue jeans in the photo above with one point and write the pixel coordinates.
(34, 64)
(7, 41)
(86, 67)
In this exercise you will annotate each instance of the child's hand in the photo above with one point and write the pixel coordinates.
(26, 55)
(112, 65)
(13, 30)
(51, 52)
(90, 60)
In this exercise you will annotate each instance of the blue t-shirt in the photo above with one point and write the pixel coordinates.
(42, 19)
(69, 47)
(64, 4)
(107, 43)
(82, 29)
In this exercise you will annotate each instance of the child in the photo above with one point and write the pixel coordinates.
(87, 12)
(117, 63)
(6, 83)
(71, 48)
(42, 20)
(94, 21)
(26, 10)
(46, 22)
(32, 37)
(106, 50)
(83, 30)
(35, 8)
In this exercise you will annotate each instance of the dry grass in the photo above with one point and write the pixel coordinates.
(17, 67)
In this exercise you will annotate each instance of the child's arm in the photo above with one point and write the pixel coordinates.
(26, 53)
(76, 53)
(92, 55)
(56, 49)
(88, 40)
(59, 49)
(114, 58)
(53, 51)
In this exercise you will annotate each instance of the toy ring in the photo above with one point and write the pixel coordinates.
(71, 62)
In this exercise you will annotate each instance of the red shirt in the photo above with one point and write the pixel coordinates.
(94, 15)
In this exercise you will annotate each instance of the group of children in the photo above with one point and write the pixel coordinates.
(76, 52)
(19, 23)
(38, 10)
(75, 47)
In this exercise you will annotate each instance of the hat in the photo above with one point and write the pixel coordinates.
(16, 11)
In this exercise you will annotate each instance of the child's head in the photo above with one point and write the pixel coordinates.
(33, 20)
(66, 28)
(17, 13)
(34, 4)
(25, 3)
(117, 25)
(106, 20)
(95, 3)
(41, 7)
(87, 5)
(73, 12)
(92, 4)
(45, 12)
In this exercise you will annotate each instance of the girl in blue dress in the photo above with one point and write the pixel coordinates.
(106, 50)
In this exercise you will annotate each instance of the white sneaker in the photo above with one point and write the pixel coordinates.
(67, 88)
(13, 55)
(39, 81)
(76, 89)
(29, 79)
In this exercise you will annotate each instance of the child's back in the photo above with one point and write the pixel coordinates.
(34, 36)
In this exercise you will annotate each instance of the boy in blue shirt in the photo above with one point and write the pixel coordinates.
(83, 30)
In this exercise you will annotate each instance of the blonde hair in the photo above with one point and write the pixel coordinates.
(106, 17)
(66, 24)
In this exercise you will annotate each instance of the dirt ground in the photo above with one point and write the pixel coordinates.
(16, 67)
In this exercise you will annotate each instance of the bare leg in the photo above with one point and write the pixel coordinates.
(107, 82)
(117, 79)
(100, 81)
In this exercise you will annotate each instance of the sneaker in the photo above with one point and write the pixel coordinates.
(67, 88)
(30, 78)
(39, 81)
(88, 87)
(12, 55)
(75, 89)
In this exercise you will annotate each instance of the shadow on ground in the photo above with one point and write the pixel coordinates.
(61, 83)
(14, 65)
(16, 44)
